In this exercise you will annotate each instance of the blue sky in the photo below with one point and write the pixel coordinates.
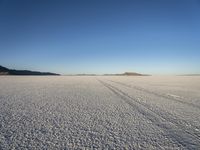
(101, 36)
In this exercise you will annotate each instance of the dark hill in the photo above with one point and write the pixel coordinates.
(127, 74)
(6, 71)
(132, 74)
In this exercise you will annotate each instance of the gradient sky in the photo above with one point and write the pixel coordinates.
(101, 36)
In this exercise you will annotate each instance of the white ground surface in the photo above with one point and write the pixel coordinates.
(99, 112)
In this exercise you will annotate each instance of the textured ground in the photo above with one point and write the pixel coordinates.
(99, 112)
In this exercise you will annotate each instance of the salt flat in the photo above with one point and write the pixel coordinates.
(99, 112)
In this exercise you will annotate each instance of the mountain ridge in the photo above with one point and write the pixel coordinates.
(6, 71)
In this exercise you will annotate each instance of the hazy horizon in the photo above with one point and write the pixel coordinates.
(97, 37)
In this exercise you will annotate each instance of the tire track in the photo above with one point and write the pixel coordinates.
(156, 94)
(170, 126)
(164, 113)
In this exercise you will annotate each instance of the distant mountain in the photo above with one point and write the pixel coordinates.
(190, 75)
(131, 74)
(127, 74)
(6, 71)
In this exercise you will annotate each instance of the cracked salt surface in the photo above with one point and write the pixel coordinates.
(99, 112)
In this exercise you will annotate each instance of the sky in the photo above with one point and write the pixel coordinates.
(101, 36)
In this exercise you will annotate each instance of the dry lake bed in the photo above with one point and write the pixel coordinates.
(99, 112)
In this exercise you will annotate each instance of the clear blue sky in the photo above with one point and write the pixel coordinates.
(101, 36)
